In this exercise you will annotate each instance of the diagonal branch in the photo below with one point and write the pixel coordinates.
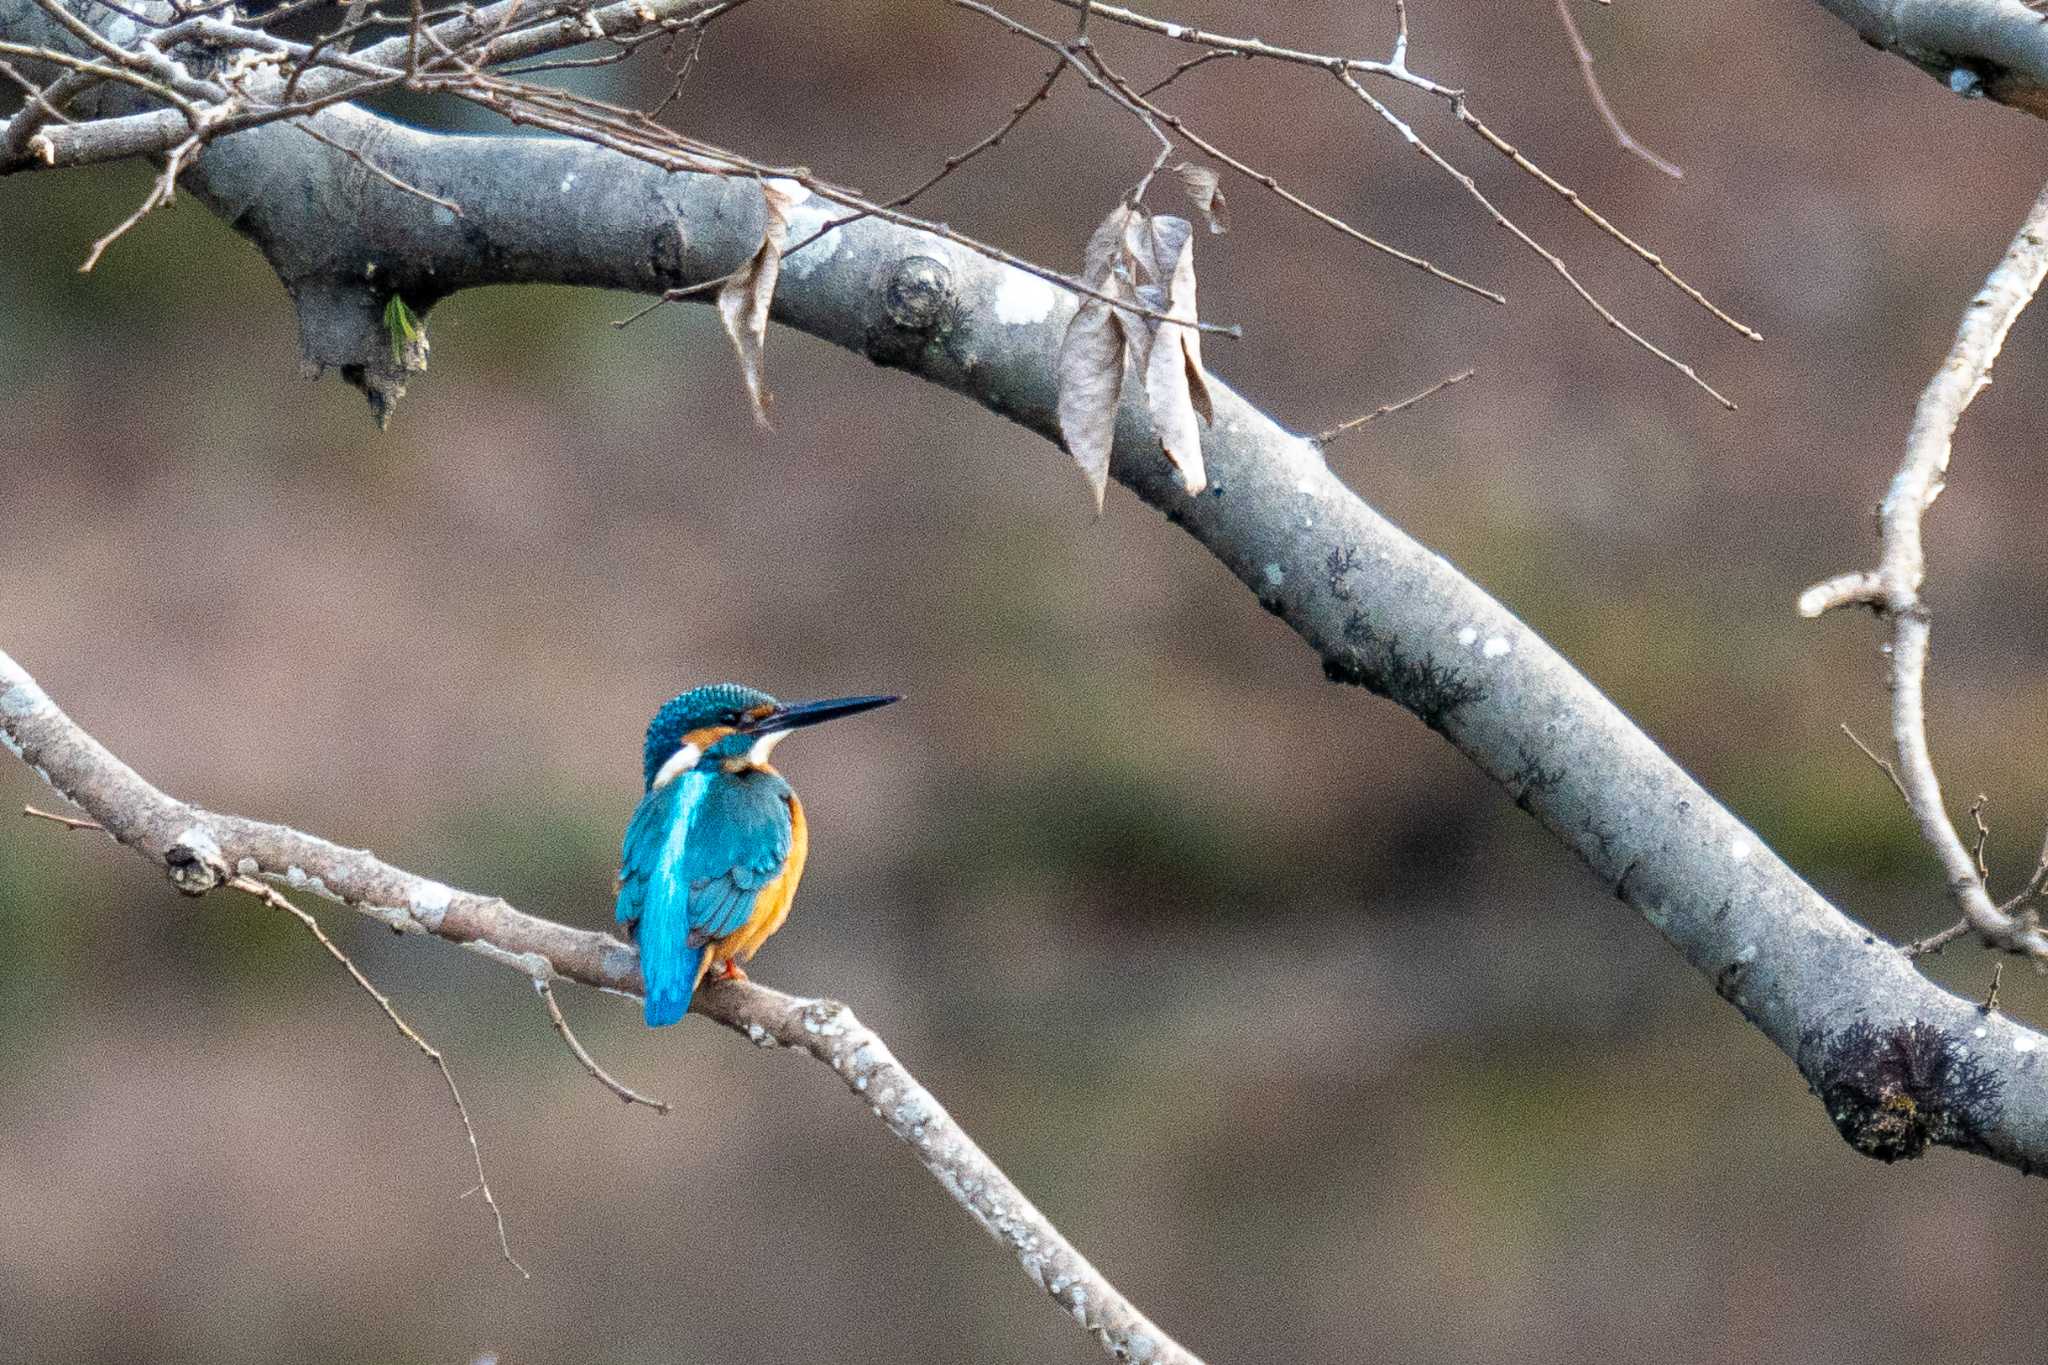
(202, 850)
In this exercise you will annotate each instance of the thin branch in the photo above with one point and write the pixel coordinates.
(1607, 114)
(952, 163)
(1110, 85)
(68, 821)
(272, 897)
(162, 191)
(1462, 111)
(1189, 65)
(1893, 588)
(1397, 69)
(1550, 257)
(202, 850)
(1385, 408)
(576, 1049)
(1890, 769)
(1934, 943)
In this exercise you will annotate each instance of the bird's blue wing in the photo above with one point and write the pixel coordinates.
(654, 897)
(696, 853)
(738, 841)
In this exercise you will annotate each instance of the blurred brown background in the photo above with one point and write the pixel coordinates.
(1320, 1048)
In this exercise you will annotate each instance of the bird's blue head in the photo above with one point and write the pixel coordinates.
(689, 727)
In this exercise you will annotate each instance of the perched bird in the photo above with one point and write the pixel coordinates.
(714, 851)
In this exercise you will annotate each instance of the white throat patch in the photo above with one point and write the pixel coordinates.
(764, 746)
(679, 762)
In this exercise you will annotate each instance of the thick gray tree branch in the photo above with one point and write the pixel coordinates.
(1997, 49)
(203, 850)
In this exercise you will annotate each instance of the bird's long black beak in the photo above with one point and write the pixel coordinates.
(791, 715)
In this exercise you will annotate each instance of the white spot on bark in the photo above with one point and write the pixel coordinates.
(1468, 635)
(1738, 849)
(443, 215)
(791, 190)
(568, 182)
(22, 699)
(1174, 31)
(1024, 298)
(247, 867)
(1275, 575)
(1979, 1031)
(295, 875)
(1496, 646)
(2026, 1042)
(432, 898)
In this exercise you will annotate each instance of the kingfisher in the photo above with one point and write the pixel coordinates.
(714, 851)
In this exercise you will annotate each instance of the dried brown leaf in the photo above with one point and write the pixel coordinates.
(1106, 244)
(1091, 375)
(1205, 190)
(1176, 386)
(743, 299)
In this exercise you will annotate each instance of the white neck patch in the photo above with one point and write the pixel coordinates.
(764, 746)
(679, 762)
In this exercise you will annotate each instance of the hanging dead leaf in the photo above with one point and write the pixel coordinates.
(1205, 190)
(1091, 378)
(744, 298)
(1106, 244)
(1091, 359)
(1176, 387)
(1143, 331)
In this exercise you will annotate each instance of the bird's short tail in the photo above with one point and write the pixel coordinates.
(671, 981)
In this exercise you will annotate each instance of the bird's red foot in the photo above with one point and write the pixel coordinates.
(729, 970)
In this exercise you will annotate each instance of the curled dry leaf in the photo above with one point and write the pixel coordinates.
(1091, 359)
(1176, 387)
(744, 298)
(1091, 375)
(1167, 355)
(1205, 191)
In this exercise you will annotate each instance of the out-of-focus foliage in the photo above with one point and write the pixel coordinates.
(1319, 1047)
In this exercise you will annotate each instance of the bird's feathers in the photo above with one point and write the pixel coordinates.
(697, 854)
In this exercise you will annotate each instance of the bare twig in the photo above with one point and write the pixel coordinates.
(201, 850)
(1890, 770)
(952, 163)
(1607, 114)
(1934, 943)
(162, 191)
(1514, 229)
(1462, 111)
(1893, 588)
(1131, 99)
(276, 899)
(1983, 835)
(1385, 408)
(576, 1049)
(68, 821)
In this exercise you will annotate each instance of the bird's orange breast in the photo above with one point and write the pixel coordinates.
(771, 902)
